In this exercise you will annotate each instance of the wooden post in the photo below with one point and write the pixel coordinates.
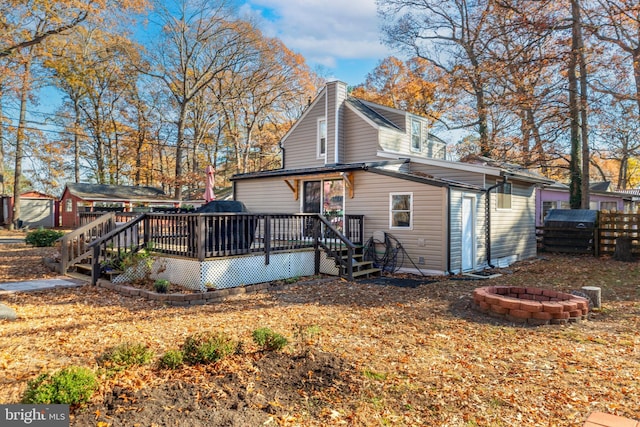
(594, 294)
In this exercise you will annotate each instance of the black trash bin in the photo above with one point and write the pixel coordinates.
(570, 230)
(227, 235)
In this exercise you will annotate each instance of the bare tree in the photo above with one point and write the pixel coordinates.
(200, 41)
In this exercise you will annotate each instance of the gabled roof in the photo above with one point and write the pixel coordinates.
(371, 114)
(116, 192)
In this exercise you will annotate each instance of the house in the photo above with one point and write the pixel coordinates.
(556, 196)
(82, 197)
(347, 156)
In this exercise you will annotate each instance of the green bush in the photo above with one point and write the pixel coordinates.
(269, 340)
(70, 386)
(172, 359)
(207, 347)
(161, 286)
(43, 237)
(125, 355)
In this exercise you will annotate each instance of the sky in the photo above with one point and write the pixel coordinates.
(340, 39)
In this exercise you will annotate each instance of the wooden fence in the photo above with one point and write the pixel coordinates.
(612, 225)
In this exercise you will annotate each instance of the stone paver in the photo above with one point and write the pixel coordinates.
(36, 285)
(7, 313)
(600, 419)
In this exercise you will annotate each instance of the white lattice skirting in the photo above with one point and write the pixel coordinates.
(238, 270)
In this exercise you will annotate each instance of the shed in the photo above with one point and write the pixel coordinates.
(83, 197)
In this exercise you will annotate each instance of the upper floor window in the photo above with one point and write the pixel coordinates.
(416, 135)
(322, 138)
(68, 205)
(503, 193)
(401, 210)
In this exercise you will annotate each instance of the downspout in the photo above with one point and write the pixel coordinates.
(487, 202)
(448, 229)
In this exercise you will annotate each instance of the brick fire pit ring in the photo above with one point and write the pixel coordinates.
(534, 306)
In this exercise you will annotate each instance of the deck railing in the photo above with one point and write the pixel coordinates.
(210, 235)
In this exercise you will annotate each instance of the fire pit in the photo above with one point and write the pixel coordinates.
(534, 306)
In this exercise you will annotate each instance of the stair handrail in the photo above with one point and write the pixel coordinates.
(99, 246)
(330, 247)
(74, 246)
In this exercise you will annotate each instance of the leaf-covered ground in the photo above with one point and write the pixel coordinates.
(360, 353)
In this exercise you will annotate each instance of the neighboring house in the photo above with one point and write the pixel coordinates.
(36, 210)
(81, 197)
(349, 156)
(556, 196)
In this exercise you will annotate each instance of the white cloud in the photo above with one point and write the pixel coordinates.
(323, 31)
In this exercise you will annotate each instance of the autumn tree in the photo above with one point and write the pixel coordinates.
(199, 42)
(451, 35)
(414, 85)
(255, 97)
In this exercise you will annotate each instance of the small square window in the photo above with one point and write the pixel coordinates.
(401, 210)
(503, 197)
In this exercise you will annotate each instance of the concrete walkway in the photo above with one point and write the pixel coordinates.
(38, 285)
(31, 286)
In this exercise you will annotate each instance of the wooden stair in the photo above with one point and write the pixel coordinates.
(361, 268)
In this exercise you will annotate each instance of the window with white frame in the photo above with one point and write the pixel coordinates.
(416, 135)
(503, 196)
(68, 205)
(401, 210)
(322, 138)
(609, 206)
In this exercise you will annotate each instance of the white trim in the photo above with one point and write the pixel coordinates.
(401, 193)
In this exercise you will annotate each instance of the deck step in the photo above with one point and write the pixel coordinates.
(367, 273)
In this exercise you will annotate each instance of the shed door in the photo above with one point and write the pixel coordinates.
(468, 234)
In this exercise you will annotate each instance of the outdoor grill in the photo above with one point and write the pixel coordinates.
(228, 233)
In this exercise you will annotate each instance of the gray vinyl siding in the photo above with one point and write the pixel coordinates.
(427, 239)
(456, 229)
(513, 230)
(301, 144)
(458, 175)
(360, 141)
(266, 195)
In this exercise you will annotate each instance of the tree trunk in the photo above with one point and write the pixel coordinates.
(20, 142)
(584, 129)
(575, 164)
(623, 249)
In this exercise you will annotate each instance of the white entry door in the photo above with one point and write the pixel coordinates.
(468, 234)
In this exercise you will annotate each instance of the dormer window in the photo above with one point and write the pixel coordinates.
(416, 135)
(322, 138)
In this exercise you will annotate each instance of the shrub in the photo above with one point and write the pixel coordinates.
(207, 347)
(269, 340)
(70, 386)
(125, 355)
(161, 286)
(43, 237)
(172, 359)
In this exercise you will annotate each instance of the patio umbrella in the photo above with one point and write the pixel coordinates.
(209, 195)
